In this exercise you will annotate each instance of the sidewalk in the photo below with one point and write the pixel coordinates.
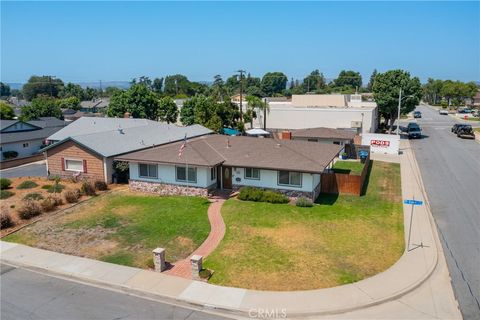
(390, 293)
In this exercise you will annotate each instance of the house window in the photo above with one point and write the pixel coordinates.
(25, 145)
(213, 173)
(74, 165)
(181, 174)
(336, 142)
(148, 170)
(252, 173)
(290, 178)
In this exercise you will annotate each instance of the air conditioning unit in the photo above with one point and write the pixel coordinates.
(356, 124)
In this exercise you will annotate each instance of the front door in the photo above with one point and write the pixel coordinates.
(227, 177)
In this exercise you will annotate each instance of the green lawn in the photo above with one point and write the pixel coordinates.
(341, 239)
(477, 129)
(351, 167)
(124, 228)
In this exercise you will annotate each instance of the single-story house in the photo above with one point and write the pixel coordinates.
(87, 147)
(26, 138)
(220, 162)
(325, 135)
(95, 105)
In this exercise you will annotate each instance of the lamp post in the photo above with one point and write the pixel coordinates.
(399, 107)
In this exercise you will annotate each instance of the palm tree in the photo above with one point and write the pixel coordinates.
(255, 103)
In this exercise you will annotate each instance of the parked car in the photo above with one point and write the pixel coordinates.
(466, 132)
(464, 110)
(457, 126)
(414, 131)
(417, 114)
(443, 112)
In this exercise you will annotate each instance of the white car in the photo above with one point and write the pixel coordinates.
(443, 112)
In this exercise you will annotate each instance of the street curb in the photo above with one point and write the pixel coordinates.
(242, 311)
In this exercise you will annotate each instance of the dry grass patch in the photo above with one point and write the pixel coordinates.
(123, 228)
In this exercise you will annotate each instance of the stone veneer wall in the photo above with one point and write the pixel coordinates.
(292, 194)
(165, 189)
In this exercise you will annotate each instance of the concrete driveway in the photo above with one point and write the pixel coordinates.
(35, 169)
(450, 169)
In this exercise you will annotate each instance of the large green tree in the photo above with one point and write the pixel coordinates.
(5, 90)
(167, 110)
(138, 100)
(42, 85)
(348, 78)
(177, 85)
(69, 103)
(274, 83)
(6, 112)
(386, 91)
(41, 106)
(72, 90)
(315, 81)
(157, 85)
(372, 80)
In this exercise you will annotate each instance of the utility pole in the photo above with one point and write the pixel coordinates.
(101, 86)
(265, 114)
(399, 106)
(50, 82)
(241, 93)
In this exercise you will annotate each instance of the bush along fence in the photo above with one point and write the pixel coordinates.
(343, 183)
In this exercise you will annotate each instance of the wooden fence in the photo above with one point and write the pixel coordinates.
(342, 183)
(5, 164)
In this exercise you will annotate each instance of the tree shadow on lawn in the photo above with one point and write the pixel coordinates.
(367, 178)
(327, 198)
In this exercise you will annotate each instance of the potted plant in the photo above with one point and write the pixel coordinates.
(343, 156)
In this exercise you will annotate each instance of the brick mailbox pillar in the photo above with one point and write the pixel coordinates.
(196, 261)
(159, 259)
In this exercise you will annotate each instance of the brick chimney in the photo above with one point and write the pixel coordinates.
(286, 135)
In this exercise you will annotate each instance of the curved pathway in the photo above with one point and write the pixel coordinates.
(182, 268)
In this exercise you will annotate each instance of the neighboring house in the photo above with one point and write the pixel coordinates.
(95, 105)
(220, 162)
(86, 148)
(325, 135)
(27, 138)
(321, 110)
(476, 99)
(72, 115)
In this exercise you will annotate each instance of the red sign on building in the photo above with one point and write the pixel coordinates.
(380, 143)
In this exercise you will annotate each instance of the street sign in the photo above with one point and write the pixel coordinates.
(414, 202)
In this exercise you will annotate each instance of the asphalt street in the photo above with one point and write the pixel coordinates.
(450, 169)
(30, 295)
(29, 170)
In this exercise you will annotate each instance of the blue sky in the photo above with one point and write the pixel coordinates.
(89, 41)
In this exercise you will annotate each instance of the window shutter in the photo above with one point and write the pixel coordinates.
(63, 164)
(84, 166)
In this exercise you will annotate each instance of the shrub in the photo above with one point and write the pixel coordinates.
(56, 188)
(303, 202)
(5, 220)
(5, 194)
(259, 195)
(10, 154)
(72, 196)
(27, 184)
(54, 178)
(250, 194)
(101, 185)
(29, 209)
(33, 196)
(46, 186)
(5, 183)
(88, 188)
(274, 197)
(48, 204)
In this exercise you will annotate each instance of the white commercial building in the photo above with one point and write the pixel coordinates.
(322, 110)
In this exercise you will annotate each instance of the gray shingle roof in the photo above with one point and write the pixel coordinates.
(46, 126)
(114, 136)
(323, 133)
(264, 153)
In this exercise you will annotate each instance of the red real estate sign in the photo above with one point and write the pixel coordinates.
(380, 143)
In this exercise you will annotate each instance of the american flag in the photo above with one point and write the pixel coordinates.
(183, 146)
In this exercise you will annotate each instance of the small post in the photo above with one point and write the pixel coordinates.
(196, 261)
(159, 259)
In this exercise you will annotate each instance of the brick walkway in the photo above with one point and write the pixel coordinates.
(182, 268)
